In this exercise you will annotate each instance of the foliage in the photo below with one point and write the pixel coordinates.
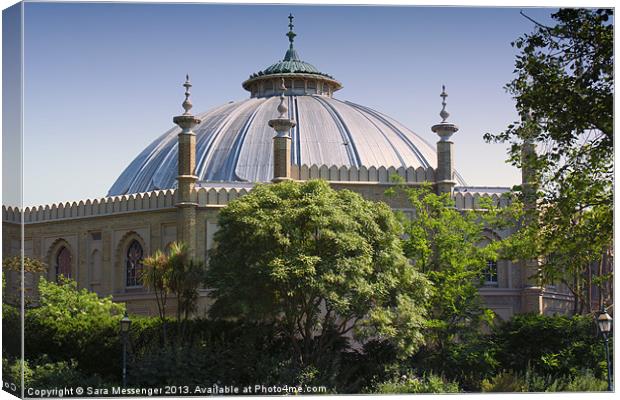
(468, 362)
(30, 264)
(318, 263)
(564, 93)
(186, 276)
(11, 332)
(412, 384)
(68, 309)
(546, 353)
(447, 246)
(74, 324)
(49, 375)
(550, 345)
(510, 381)
(155, 276)
(175, 274)
(504, 381)
(14, 264)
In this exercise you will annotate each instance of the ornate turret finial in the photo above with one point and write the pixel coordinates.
(444, 129)
(443, 114)
(282, 108)
(291, 35)
(283, 123)
(187, 104)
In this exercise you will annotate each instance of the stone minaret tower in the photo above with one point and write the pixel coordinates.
(186, 205)
(444, 176)
(532, 297)
(282, 141)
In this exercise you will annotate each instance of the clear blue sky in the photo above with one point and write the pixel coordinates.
(103, 80)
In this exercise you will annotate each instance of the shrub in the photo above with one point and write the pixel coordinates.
(413, 384)
(377, 362)
(505, 381)
(48, 375)
(11, 335)
(510, 381)
(74, 324)
(466, 362)
(550, 345)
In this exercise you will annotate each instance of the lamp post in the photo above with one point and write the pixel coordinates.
(125, 325)
(604, 325)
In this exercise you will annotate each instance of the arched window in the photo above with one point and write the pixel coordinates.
(134, 264)
(490, 272)
(63, 263)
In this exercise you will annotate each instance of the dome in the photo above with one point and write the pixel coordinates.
(234, 142)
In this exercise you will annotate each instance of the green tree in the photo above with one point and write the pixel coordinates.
(174, 273)
(70, 323)
(564, 94)
(14, 264)
(156, 276)
(451, 248)
(318, 264)
(68, 309)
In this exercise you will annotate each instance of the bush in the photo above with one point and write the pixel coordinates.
(467, 362)
(11, 332)
(550, 345)
(73, 324)
(510, 381)
(48, 375)
(505, 381)
(223, 352)
(413, 384)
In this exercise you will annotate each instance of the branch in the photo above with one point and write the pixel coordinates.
(534, 21)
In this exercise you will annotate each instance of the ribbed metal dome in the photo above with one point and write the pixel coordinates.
(234, 143)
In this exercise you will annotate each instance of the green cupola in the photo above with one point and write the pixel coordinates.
(301, 78)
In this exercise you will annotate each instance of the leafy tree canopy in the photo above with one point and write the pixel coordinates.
(30, 264)
(564, 94)
(318, 263)
(452, 248)
(69, 309)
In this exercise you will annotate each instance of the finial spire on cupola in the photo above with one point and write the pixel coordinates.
(291, 35)
(291, 53)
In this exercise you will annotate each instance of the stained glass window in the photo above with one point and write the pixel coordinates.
(63, 263)
(134, 264)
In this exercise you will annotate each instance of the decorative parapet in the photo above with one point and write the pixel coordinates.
(362, 174)
(11, 215)
(206, 197)
(148, 201)
(158, 199)
(471, 200)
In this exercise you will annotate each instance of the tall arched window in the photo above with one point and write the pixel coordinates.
(134, 264)
(63, 263)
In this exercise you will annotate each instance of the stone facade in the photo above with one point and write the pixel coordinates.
(97, 234)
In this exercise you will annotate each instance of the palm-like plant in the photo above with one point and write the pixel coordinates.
(156, 276)
(177, 274)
